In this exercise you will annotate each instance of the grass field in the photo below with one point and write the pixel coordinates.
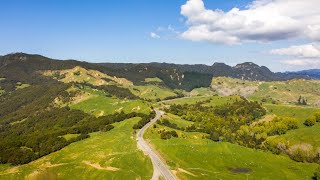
(102, 105)
(105, 155)
(177, 120)
(70, 136)
(188, 100)
(79, 74)
(192, 157)
(21, 86)
(202, 92)
(97, 103)
(214, 100)
(153, 80)
(301, 113)
(304, 134)
(151, 92)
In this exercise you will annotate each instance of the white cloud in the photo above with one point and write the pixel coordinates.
(154, 35)
(311, 63)
(261, 21)
(307, 55)
(302, 51)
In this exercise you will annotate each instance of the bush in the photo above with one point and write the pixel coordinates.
(168, 134)
(301, 152)
(317, 116)
(165, 135)
(166, 122)
(77, 73)
(290, 122)
(278, 129)
(174, 134)
(107, 128)
(310, 121)
(275, 145)
(316, 175)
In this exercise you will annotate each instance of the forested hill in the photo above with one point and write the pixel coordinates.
(25, 67)
(21, 67)
(245, 71)
(312, 73)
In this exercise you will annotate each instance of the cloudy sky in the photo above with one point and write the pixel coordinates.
(280, 34)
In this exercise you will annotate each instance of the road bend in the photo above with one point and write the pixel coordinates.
(160, 169)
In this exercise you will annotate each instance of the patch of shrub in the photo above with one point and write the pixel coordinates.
(310, 121)
(301, 152)
(112, 90)
(275, 145)
(317, 116)
(144, 120)
(107, 128)
(77, 73)
(168, 134)
(166, 122)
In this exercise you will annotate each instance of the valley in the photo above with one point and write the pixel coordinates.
(160, 90)
(70, 119)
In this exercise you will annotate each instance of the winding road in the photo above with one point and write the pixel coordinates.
(160, 169)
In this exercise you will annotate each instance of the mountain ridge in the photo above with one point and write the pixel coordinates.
(24, 67)
(312, 73)
(245, 71)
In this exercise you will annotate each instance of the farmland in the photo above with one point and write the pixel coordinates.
(112, 154)
(193, 157)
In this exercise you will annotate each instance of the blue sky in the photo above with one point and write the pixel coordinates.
(119, 31)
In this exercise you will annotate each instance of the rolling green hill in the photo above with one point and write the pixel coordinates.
(67, 119)
(192, 157)
(112, 154)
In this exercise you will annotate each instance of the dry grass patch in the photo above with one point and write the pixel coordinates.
(98, 166)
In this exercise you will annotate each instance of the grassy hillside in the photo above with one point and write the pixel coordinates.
(149, 91)
(209, 100)
(97, 102)
(301, 113)
(192, 157)
(79, 74)
(22, 86)
(181, 123)
(102, 105)
(153, 80)
(280, 91)
(152, 92)
(105, 155)
(303, 135)
(202, 92)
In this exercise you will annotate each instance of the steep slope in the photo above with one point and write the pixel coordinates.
(82, 75)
